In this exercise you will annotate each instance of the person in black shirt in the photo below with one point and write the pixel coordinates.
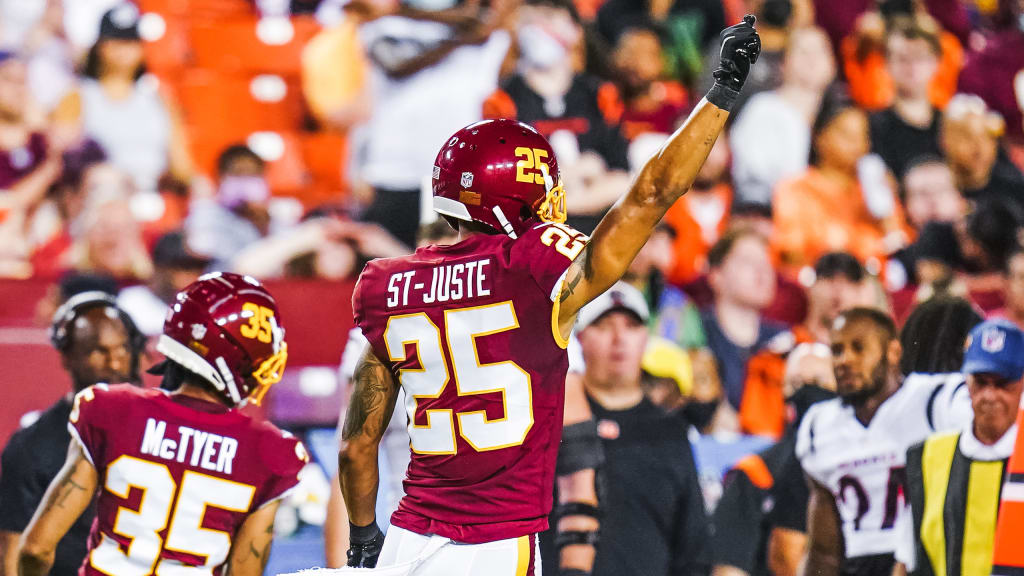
(97, 342)
(971, 139)
(653, 521)
(576, 112)
(759, 524)
(910, 127)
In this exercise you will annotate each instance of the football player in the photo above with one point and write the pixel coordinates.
(853, 448)
(187, 483)
(476, 333)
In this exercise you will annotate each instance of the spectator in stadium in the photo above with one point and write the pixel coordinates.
(971, 139)
(667, 377)
(324, 246)
(29, 163)
(840, 283)
(1014, 310)
(430, 72)
(930, 194)
(97, 343)
(951, 529)
(993, 72)
(701, 216)
(760, 521)
(691, 25)
(864, 54)
(968, 256)
(827, 208)
(237, 215)
(909, 128)
(107, 238)
(124, 111)
(649, 103)
(335, 69)
(575, 111)
(50, 57)
(782, 116)
(175, 266)
(743, 283)
(933, 336)
(653, 521)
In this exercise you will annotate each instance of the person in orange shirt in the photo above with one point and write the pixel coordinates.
(701, 216)
(864, 60)
(826, 209)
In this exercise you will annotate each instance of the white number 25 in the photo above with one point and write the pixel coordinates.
(462, 328)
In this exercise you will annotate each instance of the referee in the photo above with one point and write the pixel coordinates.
(954, 478)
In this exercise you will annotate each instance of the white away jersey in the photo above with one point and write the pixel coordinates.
(863, 466)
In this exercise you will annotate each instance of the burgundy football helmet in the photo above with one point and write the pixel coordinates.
(227, 328)
(501, 173)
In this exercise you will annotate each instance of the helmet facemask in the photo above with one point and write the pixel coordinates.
(269, 373)
(553, 208)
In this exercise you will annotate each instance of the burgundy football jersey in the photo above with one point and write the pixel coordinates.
(471, 332)
(177, 478)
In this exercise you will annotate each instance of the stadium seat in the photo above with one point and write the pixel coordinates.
(166, 44)
(238, 104)
(325, 156)
(251, 44)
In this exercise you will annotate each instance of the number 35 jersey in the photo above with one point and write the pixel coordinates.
(470, 331)
(863, 466)
(177, 478)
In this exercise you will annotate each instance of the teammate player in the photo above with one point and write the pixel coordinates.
(853, 448)
(476, 334)
(187, 483)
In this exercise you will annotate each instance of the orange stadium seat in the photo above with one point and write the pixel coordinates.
(250, 44)
(325, 153)
(166, 7)
(239, 104)
(168, 54)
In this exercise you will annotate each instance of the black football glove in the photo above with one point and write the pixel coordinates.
(365, 543)
(740, 48)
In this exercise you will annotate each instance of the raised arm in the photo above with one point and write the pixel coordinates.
(67, 497)
(824, 538)
(369, 411)
(665, 178)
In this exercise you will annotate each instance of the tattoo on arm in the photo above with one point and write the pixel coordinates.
(581, 268)
(67, 487)
(367, 409)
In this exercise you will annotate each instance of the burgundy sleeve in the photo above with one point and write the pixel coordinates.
(545, 252)
(86, 423)
(285, 457)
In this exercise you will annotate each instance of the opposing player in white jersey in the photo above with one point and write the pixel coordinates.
(853, 448)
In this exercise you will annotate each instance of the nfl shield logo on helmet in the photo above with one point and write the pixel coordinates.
(198, 331)
(993, 340)
(467, 179)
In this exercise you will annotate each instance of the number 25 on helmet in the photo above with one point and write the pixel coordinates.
(501, 173)
(227, 328)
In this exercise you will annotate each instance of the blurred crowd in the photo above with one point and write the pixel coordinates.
(875, 161)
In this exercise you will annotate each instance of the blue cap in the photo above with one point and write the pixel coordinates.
(995, 347)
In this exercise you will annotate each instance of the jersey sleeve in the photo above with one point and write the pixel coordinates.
(91, 413)
(545, 252)
(285, 457)
(949, 405)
